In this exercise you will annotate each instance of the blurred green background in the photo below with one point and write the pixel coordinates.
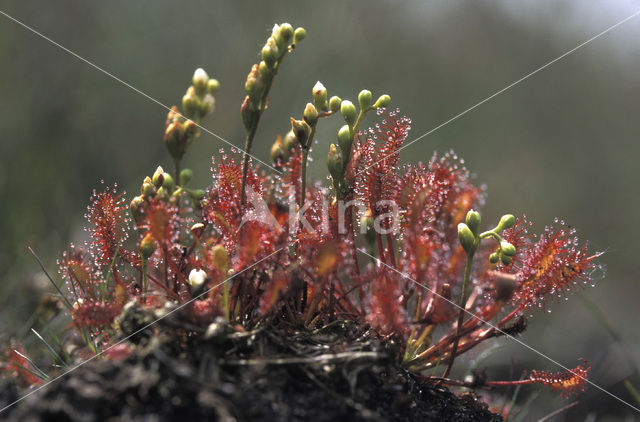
(561, 143)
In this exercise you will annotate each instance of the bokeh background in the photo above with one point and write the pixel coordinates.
(562, 143)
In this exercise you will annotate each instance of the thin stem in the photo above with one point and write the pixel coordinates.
(465, 282)
(380, 247)
(303, 177)
(361, 116)
(392, 253)
(64, 298)
(145, 280)
(509, 383)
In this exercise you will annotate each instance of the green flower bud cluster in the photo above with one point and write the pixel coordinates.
(282, 40)
(505, 251)
(469, 231)
(470, 237)
(179, 133)
(199, 101)
(346, 133)
(161, 185)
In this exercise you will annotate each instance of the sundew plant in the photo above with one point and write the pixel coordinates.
(399, 248)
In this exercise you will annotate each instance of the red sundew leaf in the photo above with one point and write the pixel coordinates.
(387, 313)
(76, 269)
(373, 171)
(568, 384)
(553, 266)
(222, 206)
(14, 366)
(162, 222)
(292, 170)
(108, 218)
(95, 314)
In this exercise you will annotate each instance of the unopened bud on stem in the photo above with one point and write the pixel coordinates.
(348, 111)
(310, 114)
(334, 103)
(466, 237)
(320, 96)
(148, 246)
(473, 220)
(200, 80)
(364, 99)
(506, 222)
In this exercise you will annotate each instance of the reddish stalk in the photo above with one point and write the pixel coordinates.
(391, 249)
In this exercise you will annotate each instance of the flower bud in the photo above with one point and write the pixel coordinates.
(348, 111)
(286, 33)
(197, 277)
(367, 225)
(213, 86)
(265, 72)
(506, 260)
(197, 229)
(148, 246)
(310, 114)
(249, 113)
(220, 259)
(466, 237)
(506, 222)
(254, 85)
(320, 96)
(345, 140)
(279, 153)
(302, 131)
(334, 162)
(147, 188)
(270, 53)
(174, 139)
(136, 208)
(158, 177)
(275, 34)
(334, 103)
(507, 248)
(200, 79)
(364, 99)
(167, 182)
(494, 258)
(473, 221)
(299, 35)
(289, 141)
(207, 105)
(382, 101)
(190, 129)
(197, 194)
(185, 176)
(190, 102)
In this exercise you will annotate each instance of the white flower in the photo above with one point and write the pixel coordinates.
(197, 277)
